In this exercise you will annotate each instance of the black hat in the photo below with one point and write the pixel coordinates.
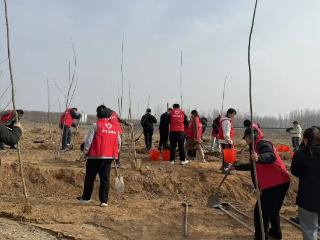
(295, 122)
(248, 132)
(148, 110)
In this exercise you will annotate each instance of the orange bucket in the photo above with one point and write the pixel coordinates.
(166, 155)
(154, 154)
(230, 155)
(283, 148)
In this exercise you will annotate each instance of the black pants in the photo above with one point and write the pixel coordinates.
(177, 139)
(271, 203)
(295, 143)
(148, 133)
(66, 136)
(94, 167)
(1, 146)
(225, 146)
(164, 136)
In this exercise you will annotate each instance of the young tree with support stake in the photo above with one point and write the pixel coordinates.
(25, 192)
(270, 177)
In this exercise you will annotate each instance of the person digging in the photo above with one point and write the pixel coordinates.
(273, 182)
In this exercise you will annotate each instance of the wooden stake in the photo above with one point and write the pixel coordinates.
(25, 192)
(49, 117)
(252, 130)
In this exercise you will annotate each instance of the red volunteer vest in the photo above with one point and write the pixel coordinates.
(271, 174)
(8, 117)
(66, 118)
(105, 141)
(191, 134)
(177, 120)
(115, 121)
(221, 133)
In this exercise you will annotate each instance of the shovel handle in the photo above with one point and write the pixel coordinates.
(224, 178)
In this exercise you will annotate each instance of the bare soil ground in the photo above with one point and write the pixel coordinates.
(150, 208)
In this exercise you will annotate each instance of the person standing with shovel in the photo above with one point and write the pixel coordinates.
(273, 182)
(101, 149)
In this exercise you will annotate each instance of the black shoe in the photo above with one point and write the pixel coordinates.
(13, 147)
(275, 235)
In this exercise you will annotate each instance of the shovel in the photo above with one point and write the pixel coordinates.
(213, 200)
(119, 183)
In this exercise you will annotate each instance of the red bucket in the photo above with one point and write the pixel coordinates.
(283, 148)
(154, 154)
(166, 155)
(230, 155)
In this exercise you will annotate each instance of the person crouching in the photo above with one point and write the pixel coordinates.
(273, 182)
(101, 148)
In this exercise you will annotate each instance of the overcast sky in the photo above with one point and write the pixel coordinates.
(213, 35)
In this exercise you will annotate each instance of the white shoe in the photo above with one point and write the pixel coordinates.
(203, 160)
(82, 201)
(103, 204)
(184, 162)
(172, 162)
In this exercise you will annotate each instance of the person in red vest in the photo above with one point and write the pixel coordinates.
(101, 149)
(273, 182)
(215, 145)
(177, 123)
(194, 138)
(8, 119)
(226, 134)
(116, 120)
(256, 126)
(66, 122)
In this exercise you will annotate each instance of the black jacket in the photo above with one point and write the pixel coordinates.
(306, 167)
(147, 121)
(266, 156)
(164, 122)
(9, 136)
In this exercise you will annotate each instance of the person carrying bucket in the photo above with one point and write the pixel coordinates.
(101, 149)
(226, 134)
(178, 122)
(194, 139)
(273, 182)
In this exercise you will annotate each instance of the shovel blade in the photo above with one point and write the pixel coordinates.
(213, 201)
(119, 185)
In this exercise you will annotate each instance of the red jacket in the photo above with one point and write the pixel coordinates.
(177, 120)
(271, 174)
(105, 140)
(7, 117)
(221, 131)
(66, 118)
(191, 133)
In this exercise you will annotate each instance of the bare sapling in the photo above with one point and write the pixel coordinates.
(27, 207)
(135, 163)
(257, 190)
(49, 113)
(71, 89)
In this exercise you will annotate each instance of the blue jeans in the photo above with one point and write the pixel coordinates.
(66, 136)
(309, 224)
